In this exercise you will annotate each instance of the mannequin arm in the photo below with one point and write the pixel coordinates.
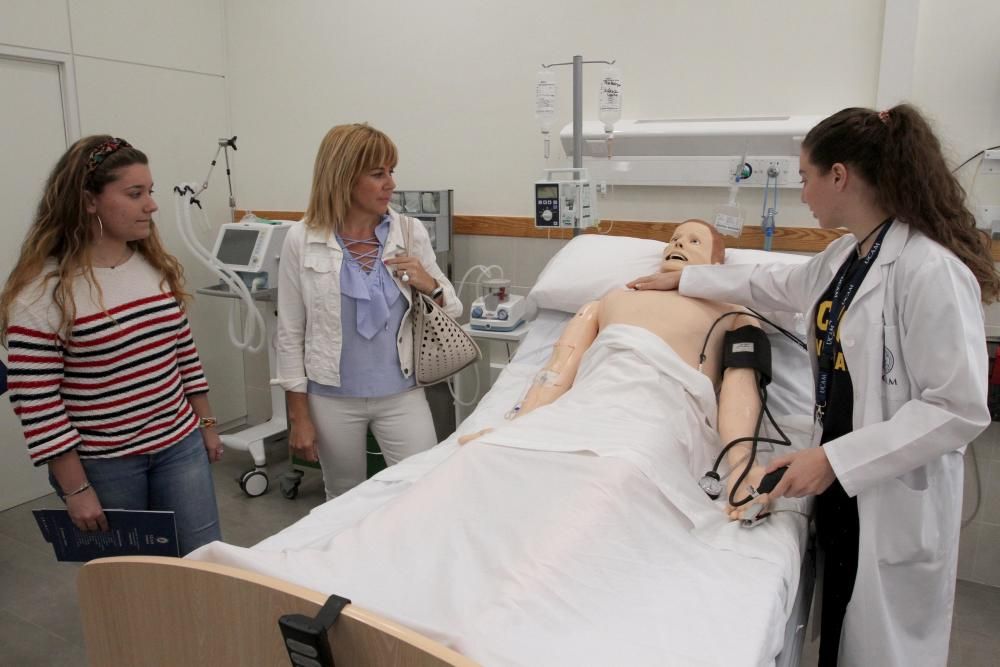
(739, 407)
(557, 376)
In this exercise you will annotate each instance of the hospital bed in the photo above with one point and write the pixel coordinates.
(628, 581)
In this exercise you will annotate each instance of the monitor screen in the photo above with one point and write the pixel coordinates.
(237, 246)
(547, 191)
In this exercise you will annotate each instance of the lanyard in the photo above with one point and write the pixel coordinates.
(842, 295)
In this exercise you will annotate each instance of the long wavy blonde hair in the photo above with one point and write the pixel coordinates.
(346, 152)
(63, 230)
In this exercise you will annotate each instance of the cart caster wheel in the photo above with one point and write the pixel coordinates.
(254, 482)
(290, 484)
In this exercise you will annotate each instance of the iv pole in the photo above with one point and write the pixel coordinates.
(578, 62)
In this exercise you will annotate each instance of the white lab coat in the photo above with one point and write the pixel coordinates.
(915, 346)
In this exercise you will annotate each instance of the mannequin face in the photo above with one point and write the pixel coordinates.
(691, 243)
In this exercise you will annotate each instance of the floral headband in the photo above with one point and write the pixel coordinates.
(99, 154)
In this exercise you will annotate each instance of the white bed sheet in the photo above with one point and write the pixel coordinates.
(588, 559)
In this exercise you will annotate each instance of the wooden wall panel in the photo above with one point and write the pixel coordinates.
(786, 239)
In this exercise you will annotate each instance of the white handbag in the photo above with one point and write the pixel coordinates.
(441, 347)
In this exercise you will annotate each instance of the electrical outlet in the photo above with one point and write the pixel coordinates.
(988, 218)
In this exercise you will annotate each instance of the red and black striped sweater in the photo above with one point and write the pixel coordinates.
(119, 384)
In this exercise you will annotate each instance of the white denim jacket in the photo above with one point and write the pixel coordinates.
(310, 337)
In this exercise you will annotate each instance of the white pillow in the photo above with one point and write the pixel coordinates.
(590, 266)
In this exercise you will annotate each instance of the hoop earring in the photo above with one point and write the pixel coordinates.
(100, 227)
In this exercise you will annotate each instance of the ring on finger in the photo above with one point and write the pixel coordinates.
(406, 276)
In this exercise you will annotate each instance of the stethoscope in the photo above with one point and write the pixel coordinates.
(712, 482)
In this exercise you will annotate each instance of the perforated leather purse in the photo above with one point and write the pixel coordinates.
(440, 347)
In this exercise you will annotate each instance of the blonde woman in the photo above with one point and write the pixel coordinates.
(345, 344)
(103, 371)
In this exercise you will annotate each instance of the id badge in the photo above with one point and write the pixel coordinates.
(817, 430)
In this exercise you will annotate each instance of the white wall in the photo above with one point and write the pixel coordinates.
(152, 72)
(452, 82)
(39, 140)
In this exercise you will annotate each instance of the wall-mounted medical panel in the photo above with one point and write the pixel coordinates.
(693, 152)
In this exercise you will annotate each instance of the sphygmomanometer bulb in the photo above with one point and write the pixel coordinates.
(771, 479)
(711, 484)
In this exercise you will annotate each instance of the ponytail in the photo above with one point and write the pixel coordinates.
(898, 154)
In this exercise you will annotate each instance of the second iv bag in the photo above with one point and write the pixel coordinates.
(609, 103)
(545, 103)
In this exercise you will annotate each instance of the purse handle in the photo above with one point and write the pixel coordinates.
(407, 232)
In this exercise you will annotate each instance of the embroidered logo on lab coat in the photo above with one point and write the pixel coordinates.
(887, 361)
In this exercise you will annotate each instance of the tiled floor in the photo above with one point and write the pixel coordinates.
(39, 616)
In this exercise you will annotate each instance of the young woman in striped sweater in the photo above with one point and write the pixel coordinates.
(103, 371)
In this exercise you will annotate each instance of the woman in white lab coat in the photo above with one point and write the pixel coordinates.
(901, 379)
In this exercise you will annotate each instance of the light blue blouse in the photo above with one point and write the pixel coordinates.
(372, 309)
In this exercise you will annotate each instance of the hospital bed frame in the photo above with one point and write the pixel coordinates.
(162, 612)
(152, 612)
(148, 611)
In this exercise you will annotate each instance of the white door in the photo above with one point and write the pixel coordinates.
(32, 137)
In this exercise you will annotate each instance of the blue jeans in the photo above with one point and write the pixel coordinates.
(178, 478)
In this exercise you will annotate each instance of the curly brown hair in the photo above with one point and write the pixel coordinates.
(63, 230)
(898, 154)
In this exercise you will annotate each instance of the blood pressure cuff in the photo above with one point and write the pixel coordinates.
(748, 347)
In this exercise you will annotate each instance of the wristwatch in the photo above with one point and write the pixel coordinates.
(207, 422)
(436, 292)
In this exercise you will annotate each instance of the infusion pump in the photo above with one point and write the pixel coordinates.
(565, 203)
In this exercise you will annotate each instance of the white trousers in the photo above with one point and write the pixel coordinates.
(401, 423)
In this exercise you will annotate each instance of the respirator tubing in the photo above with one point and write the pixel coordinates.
(253, 327)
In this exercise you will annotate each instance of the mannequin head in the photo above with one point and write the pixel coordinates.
(693, 242)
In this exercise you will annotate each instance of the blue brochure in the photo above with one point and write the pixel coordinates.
(131, 533)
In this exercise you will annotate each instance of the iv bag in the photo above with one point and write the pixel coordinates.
(545, 103)
(609, 106)
(545, 99)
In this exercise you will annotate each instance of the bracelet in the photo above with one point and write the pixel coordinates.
(436, 292)
(86, 485)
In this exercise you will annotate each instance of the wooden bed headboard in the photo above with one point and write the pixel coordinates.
(170, 612)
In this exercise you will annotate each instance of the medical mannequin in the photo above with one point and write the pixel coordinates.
(683, 323)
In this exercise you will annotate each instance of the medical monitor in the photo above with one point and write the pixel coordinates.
(236, 247)
(251, 247)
